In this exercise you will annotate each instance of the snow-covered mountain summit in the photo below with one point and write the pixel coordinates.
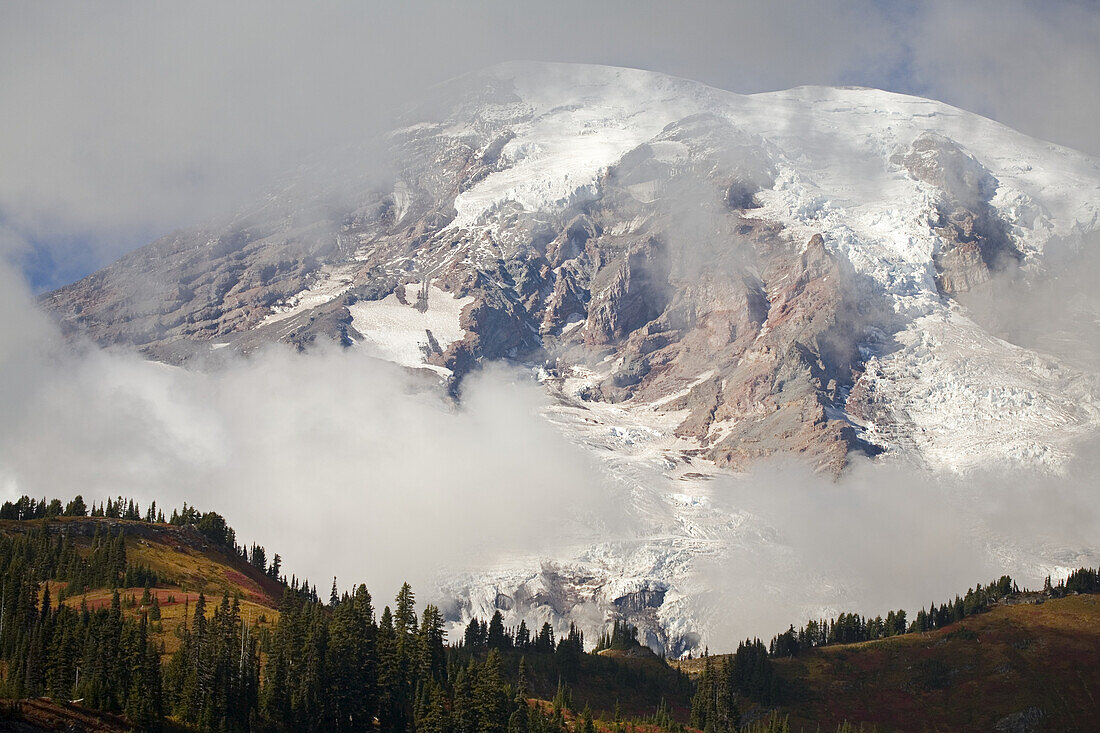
(701, 278)
(785, 267)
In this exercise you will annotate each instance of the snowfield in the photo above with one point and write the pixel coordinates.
(399, 332)
(330, 284)
(976, 400)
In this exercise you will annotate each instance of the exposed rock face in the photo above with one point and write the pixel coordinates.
(629, 294)
(660, 271)
(778, 392)
(194, 286)
(976, 241)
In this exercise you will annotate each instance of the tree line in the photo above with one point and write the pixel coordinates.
(344, 666)
(56, 557)
(338, 664)
(1082, 580)
(850, 628)
(211, 525)
(97, 655)
(747, 673)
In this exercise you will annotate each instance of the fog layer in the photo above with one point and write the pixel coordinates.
(340, 462)
(124, 120)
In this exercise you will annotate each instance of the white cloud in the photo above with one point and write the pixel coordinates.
(124, 120)
(340, 462)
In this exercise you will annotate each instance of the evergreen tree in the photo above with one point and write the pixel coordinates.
(76, 507)
(491, 696)
(431, 652)
(523, 636)
(391, 680)
(519, 722)
(472, 638)
(496, 637)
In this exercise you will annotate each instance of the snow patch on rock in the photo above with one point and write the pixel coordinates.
(399, 332)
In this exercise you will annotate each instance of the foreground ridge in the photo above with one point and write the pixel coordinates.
(257, 661)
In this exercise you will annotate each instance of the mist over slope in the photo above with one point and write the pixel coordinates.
(785, 267)
(687, 281)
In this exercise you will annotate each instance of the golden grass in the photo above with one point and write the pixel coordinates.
(190, 569)
(966, 676)
(185, 571)
(176, 606)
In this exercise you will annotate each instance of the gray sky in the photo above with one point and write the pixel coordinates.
(121, 121)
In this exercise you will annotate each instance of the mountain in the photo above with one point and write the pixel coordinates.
(701, 280)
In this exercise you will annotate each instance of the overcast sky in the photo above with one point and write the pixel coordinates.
(121, 121)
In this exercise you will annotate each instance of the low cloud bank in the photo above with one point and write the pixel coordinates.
(889, 536)
(340, 462)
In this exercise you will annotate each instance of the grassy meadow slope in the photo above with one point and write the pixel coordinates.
(187, 563)
(1027, 664)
